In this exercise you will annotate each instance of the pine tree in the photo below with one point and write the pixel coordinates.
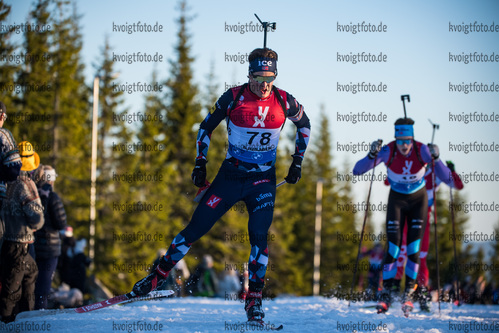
(183, 112)
(8, 67)
(36, 82)
(115, 163)
(70, 130)
(291, 254)
(111, 115)
(446, 239)
(339, 249)
(55, 96)
(155, 178)
(218, 141)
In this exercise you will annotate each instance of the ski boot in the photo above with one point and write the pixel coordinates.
(407, 308)
(424, 297)
(407, 305)
(385, 300)
(151, 282)
(253, 306)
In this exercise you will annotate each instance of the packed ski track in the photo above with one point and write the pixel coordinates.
(297, 314)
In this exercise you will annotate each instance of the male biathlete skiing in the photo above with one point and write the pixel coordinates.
(422, 291)
(255, 114)
(406, 160)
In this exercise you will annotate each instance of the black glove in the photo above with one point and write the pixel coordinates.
(199, 173)
(451, 166)
(375, 149)
(294, 173)
(434, 151)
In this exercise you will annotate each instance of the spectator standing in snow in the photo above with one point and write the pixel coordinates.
(23, 215)
(47, 239)
(10, 163)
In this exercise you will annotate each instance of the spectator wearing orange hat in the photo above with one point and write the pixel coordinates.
(23, 215)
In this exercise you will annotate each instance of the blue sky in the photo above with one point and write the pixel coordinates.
(417, 43)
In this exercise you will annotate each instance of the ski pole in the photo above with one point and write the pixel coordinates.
(435, 126)
(266, 25)
(435, 214)
(435, 229)
(456, 271)
(363, 227)
(403, 98)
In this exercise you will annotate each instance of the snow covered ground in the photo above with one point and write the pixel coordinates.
(297, 314)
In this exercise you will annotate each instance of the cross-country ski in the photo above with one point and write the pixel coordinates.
(121, 299)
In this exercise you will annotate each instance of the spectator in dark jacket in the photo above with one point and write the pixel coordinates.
(48, 241)
(23, 214)
(10, 163)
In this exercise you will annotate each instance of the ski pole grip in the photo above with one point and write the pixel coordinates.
(404, 97)
(380, 142)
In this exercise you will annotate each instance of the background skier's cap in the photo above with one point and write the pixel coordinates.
(404, 128)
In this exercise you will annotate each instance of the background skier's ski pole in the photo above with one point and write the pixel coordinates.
(403, 98)
(363, 226)
(456, 272)
(435, 214)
